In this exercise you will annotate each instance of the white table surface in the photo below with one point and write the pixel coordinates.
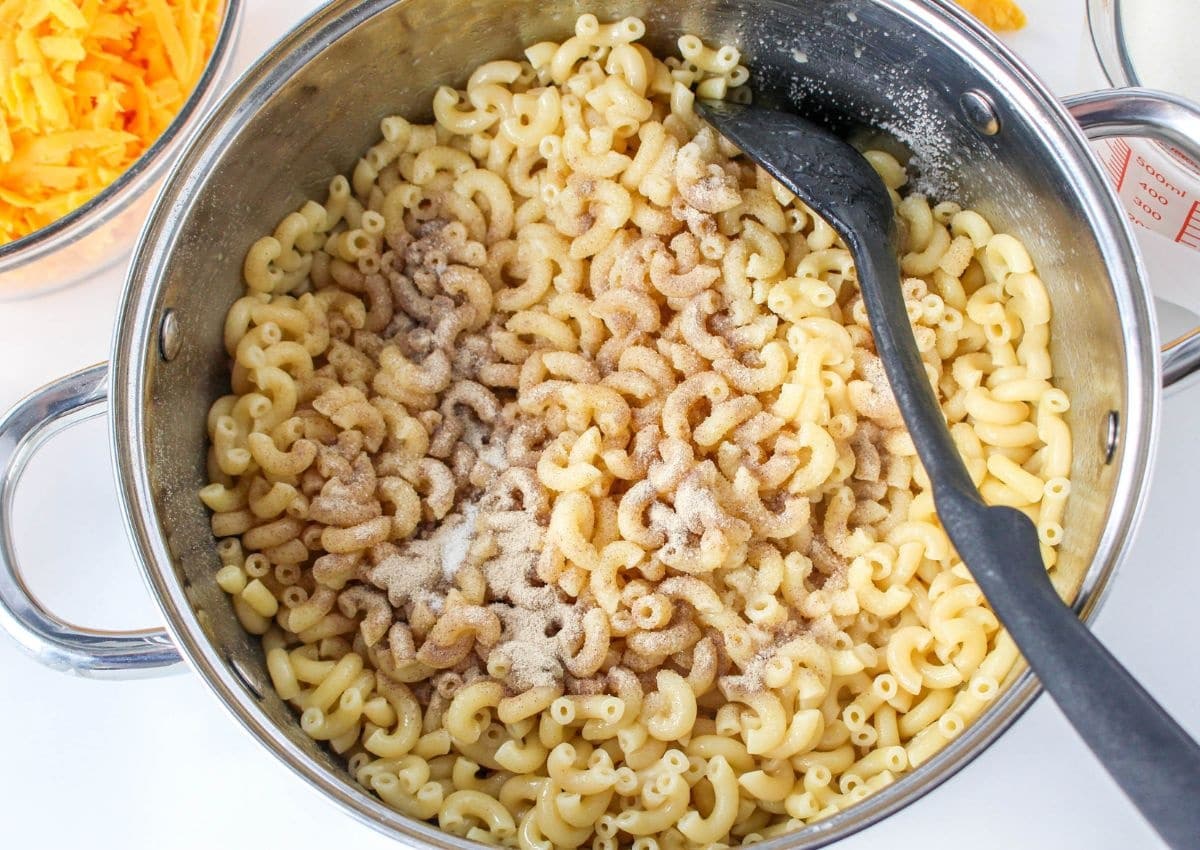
(158, 763)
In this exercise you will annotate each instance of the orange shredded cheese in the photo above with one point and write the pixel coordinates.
(997, 14)
(86, 86)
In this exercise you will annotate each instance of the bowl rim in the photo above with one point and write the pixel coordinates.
(135, 352)
(1108, 42)
(138, 177)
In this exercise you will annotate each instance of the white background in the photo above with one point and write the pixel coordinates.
(159, 763)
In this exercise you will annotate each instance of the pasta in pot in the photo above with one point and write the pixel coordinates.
(565, 487)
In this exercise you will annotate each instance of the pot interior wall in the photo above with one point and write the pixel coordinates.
(860, 64)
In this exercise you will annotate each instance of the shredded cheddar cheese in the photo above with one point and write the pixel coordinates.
(997, 14)
(86, 86)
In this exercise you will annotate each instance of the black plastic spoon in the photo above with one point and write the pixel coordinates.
(1150, 756)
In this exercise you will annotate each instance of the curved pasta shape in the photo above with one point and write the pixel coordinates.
(561, 479)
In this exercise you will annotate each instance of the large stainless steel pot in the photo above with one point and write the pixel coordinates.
(981, 125)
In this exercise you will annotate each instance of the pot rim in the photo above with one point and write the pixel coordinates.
(135, 343)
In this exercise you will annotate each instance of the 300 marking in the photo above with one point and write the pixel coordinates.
(1150, 211)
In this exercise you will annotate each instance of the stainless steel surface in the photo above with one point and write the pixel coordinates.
(1181, 359)
(1036, 178)
(52, 641)
(978, 109)
(1165, 118)
(169, 340)
(1151, 114)
(102, 230)
(1112, 435)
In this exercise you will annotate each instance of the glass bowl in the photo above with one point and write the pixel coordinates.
(92, 237)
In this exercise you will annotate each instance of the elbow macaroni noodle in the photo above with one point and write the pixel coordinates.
(563, 483)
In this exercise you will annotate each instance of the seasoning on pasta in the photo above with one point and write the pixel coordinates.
(564, 485)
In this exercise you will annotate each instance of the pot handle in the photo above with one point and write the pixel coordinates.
(1165, 118)
(52, 641)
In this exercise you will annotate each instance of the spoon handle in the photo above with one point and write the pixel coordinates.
(1150, 756)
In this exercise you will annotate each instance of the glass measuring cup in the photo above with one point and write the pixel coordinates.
(1148, 43)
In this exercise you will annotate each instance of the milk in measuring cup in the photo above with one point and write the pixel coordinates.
(1160, 37)
(1158, 185)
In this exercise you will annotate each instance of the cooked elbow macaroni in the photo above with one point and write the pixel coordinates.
(563, 482)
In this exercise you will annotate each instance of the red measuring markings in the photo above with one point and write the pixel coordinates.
(1117, 164)
(1189, 234)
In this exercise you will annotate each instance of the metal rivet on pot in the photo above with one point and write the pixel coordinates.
(169, 340)
(978, 108)
(1111, 436)
(238, 670)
